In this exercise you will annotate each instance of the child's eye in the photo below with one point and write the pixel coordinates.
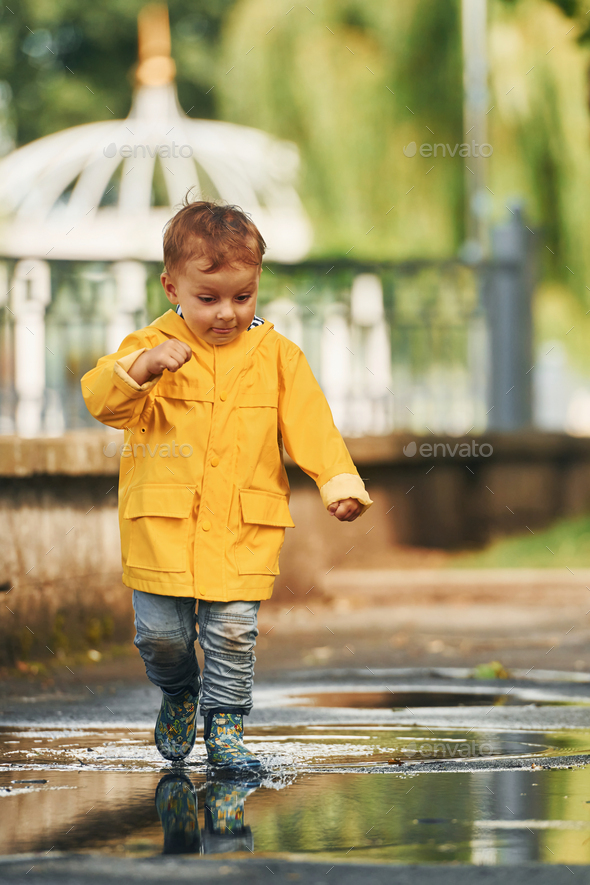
(243, 298)
(206, 299)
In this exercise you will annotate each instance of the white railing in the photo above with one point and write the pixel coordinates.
(394, 348)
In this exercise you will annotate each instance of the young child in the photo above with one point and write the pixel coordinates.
(207, 395)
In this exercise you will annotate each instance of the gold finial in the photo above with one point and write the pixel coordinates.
(155, 67)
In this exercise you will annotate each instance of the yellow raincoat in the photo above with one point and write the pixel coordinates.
(203, 492)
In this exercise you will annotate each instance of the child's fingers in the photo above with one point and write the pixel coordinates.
(180, 350)
(339, 509)
(171, 363)
(347, 510)
(187, 351)
(173, 355)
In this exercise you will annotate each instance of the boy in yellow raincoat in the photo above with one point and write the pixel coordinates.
(207, 395)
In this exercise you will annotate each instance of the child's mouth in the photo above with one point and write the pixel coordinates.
(223, 331)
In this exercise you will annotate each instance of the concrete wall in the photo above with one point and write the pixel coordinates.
(60, 572)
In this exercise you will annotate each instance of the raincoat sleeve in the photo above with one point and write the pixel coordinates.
(111, 394)
(311, 437)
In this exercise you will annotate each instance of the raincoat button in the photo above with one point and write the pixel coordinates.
(214, 461)
(202, 590)
(206, 525)
(223, 396)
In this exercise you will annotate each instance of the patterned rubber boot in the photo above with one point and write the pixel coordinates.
(176, 726)
(224, 740)
(224, 817)
(176, 804)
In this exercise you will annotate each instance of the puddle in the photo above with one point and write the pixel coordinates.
(330, 792)
(399, 699)
(438, 785)
(462, 695)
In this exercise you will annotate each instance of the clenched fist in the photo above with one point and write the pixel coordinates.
(171, 355)
(345, 510)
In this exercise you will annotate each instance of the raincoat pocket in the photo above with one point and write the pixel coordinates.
(265, 515)
(159, 516)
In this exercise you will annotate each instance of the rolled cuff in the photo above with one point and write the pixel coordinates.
(122, 367)
(345, 485)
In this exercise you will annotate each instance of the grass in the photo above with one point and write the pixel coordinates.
(566, 544)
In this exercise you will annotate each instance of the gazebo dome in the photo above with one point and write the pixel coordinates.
(104, 191)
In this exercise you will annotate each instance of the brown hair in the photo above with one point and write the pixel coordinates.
(223, 234)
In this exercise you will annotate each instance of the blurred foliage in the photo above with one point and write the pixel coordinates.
(574, 9)
(540, 131)
(99, 629)
(569, 7)
(59, 638)
(566, 544)
(491, 670)
(562, 320)
(64, 63)
(351, 83)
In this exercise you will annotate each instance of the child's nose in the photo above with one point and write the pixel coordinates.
(226, 312)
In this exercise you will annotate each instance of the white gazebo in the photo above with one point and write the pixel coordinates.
(102, 192)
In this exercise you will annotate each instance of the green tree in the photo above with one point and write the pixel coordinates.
(540, 129)
(64, 63)
(351, 82)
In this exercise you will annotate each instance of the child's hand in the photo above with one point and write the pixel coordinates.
(346, 510)
(171, 355)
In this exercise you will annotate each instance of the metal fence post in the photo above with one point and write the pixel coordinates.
(507, 295)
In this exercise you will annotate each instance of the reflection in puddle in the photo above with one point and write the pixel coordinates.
(92, 790)
(224, 830)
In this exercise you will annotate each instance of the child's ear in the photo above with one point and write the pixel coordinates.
(169, 287)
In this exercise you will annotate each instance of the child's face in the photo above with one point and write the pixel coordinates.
(217, 306)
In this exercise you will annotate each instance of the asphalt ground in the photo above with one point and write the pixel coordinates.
(103, 871)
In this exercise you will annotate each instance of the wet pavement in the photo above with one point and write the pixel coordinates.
(385, 767)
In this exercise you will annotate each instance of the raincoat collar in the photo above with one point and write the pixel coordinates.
(175, 326)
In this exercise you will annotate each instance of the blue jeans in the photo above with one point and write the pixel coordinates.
(166, 636)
